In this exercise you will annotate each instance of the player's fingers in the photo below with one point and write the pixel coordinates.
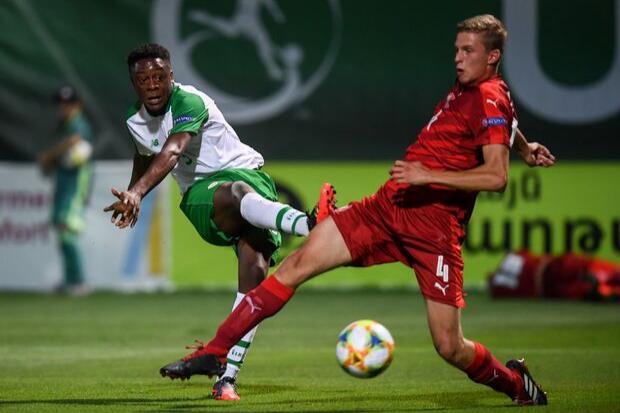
(122, 223)
(116, 193)
(544, 162)
(544, 151)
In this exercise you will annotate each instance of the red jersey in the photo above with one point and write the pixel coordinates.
(467, 119)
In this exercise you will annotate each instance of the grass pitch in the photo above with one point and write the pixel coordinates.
(102, 354)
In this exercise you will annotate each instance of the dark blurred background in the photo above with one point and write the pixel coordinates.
(350, 79)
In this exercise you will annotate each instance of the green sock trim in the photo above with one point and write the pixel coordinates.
(295, 223)
(280, 216)
(234, 363)
(244, 344)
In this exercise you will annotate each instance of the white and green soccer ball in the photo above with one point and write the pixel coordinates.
(365, 348)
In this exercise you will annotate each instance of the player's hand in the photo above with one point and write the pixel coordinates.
(537, 155)
(46, 163)
(126, 210)
(413, 173)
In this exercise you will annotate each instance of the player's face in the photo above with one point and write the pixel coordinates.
(152, 79)
(473, 62)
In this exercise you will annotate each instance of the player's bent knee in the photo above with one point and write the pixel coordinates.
(449, 349)
(239, 189)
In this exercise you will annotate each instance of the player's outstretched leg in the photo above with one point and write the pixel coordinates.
(197, 362)
(262, 302)
(530, 392)
(263, 213)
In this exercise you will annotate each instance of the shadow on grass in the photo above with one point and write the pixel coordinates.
(186, 402)
(422, 402)
(102, 401)
(342, 402)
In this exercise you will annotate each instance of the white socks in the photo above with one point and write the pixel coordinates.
(264, 213)
(237, 353)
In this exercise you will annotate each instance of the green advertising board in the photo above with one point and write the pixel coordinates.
(570, 207)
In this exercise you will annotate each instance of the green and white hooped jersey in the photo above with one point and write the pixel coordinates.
(214, 144)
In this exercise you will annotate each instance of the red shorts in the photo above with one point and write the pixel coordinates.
(424, 237)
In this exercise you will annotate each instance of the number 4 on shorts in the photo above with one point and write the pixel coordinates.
(442, 269)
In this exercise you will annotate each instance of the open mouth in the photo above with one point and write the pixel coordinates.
(153, 100)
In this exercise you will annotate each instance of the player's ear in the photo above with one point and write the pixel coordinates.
(494, 56)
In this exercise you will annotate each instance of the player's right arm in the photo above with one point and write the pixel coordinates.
(146, 174)
(140, 164)
(492, 175)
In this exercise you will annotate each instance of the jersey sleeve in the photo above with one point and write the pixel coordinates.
(189, 113)
(492, 117)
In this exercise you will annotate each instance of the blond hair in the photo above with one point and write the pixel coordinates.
(493, 31)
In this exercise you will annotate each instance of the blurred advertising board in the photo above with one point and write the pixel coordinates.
(570, 207)
(136, 259)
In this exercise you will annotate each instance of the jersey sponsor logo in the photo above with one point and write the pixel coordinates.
(281, 62)
(494, 121)
(492, 102)
(182, 119)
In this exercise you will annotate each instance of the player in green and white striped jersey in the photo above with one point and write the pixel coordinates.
(178, 129)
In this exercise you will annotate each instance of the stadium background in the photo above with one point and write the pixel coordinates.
(357, 81)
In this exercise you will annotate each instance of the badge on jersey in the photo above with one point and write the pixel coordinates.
(182, 119)
(494, 121)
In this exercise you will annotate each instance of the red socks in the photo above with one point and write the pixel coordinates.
(262, 302)
(487, 370)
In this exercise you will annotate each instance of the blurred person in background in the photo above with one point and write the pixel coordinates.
(69, 162)
(178, 129)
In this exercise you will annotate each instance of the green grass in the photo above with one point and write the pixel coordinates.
(102, 353)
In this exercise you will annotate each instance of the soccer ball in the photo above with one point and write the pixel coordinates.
(364, 348)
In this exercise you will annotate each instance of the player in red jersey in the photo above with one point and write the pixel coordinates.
(417, 217)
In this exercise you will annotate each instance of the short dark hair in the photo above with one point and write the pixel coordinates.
(147, 51)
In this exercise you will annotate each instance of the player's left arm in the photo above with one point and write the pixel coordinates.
(492, 175)
(532, 153)
(160, 166)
